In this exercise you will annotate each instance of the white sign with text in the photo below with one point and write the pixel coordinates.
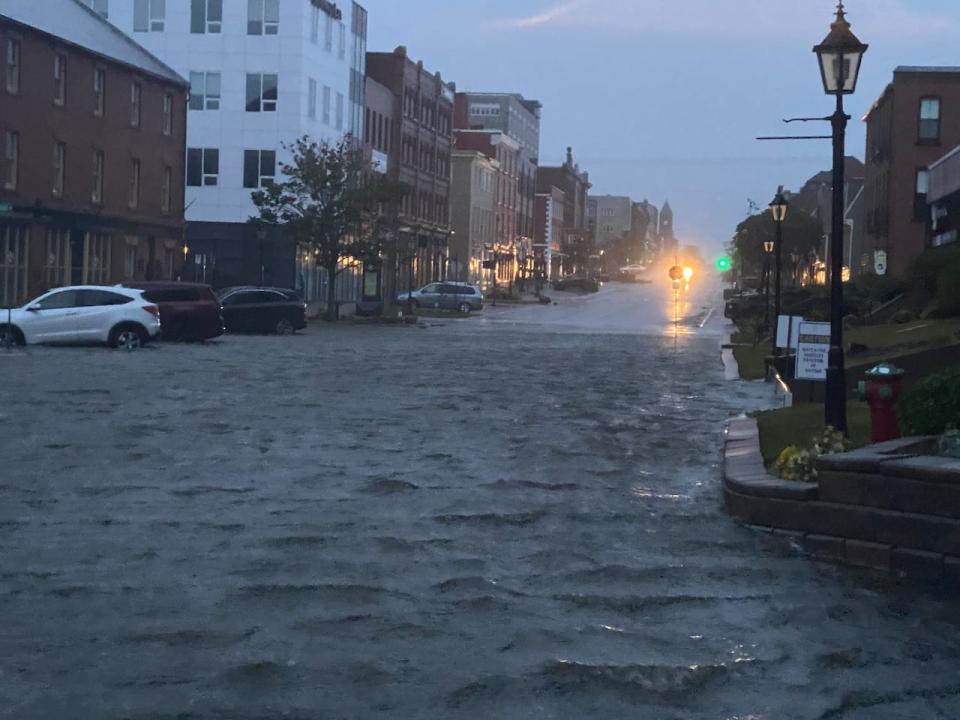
(788, 330)
(813, 351)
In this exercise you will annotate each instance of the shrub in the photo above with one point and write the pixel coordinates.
(932, 405)
(902, 317)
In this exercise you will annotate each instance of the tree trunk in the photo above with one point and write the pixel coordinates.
(332, 311)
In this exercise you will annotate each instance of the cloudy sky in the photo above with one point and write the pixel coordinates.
(661, 99)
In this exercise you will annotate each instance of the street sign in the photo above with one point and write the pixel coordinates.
(813, 351)
(788, 331)
(880, 262)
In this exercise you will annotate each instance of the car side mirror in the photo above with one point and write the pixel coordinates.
(34, 308)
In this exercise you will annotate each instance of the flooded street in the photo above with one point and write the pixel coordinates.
(513, 516)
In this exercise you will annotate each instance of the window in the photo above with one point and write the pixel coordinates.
(930, 119)
(263, 17)
(96, 195)
(203, 167)
(342, 49)
(99, 298)
(11, 155)
(339, 111)
(167, 114)
(326, 105)
(59, 168)
(261, 92)
(96, 259)
(315, 24)
(59, 79)
(312, 98)
(13, 264)
(149, 15)
(166, 189)
(59, 300)
(328, 34)
(133, 194)
(56, 268)
(99, 92)
(130, 259)
(206, 16)
(204, 91)
(259, 168)
(13, 66)
(135, 94)
(98, 6)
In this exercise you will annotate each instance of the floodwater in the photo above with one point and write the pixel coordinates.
(514, 516)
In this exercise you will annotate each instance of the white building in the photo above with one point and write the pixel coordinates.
(262, 73)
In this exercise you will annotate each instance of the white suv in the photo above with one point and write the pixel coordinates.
(116, 316)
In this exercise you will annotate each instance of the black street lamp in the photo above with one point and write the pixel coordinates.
(778, 208)
(767, 252)
(840, 55)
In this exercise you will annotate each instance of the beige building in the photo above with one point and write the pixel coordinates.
(473, 194)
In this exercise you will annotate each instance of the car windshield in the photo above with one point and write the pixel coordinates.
(517, 359)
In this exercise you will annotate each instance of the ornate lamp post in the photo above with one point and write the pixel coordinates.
(768, 246)
(778, 208)
(840, 55)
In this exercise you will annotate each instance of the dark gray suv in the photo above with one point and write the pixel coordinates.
(445, 296)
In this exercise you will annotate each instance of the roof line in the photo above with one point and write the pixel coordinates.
(130, 41)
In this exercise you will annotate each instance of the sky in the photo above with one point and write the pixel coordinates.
(662, 99)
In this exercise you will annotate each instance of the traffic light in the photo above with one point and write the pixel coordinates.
(724, 263)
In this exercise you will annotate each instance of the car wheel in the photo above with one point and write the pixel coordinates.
(284, 327)
(465, 308)
(128, 337)
(10, 336)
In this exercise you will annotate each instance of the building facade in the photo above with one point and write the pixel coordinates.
(613, 218)
(518, 117)
(262, 73)
(911, 125)
(548, 235)
(651, 221)
(473, 212)
(816, 199)
(944, 198)
(423, 142)
(93, 132)
(669, 245)
(510, 250)
(577, 240)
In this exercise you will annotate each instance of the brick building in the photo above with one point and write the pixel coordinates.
(93, 132)
(911, 125)
(510, 248)
(577, 241)
(419, 158)
(548, 234)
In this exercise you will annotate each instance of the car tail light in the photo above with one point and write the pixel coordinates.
(152, 309)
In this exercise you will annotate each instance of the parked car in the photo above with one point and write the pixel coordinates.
(88, 314)
(577, 282)
(262, 310)
(445, 296)
(188, 311)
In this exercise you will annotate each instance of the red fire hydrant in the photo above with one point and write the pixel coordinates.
(882, 389)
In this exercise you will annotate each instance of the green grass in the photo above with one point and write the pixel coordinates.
(752, 361)
(798, 425)
(884, 341)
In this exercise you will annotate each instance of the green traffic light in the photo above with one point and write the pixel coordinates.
(724, 263)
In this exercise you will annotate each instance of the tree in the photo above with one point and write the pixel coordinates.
(330, 202)
(802, 236)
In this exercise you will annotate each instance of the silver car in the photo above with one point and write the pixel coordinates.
(457, 296)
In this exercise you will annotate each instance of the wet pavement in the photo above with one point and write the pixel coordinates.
(514, 516)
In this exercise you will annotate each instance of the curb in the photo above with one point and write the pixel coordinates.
(921, 548)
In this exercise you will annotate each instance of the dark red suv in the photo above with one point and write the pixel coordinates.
(188, 311)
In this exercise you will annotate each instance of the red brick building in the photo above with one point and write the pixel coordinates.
(911, 125)
(92, 134)
(419, 157)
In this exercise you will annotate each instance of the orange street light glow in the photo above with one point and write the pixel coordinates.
(688, 274)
